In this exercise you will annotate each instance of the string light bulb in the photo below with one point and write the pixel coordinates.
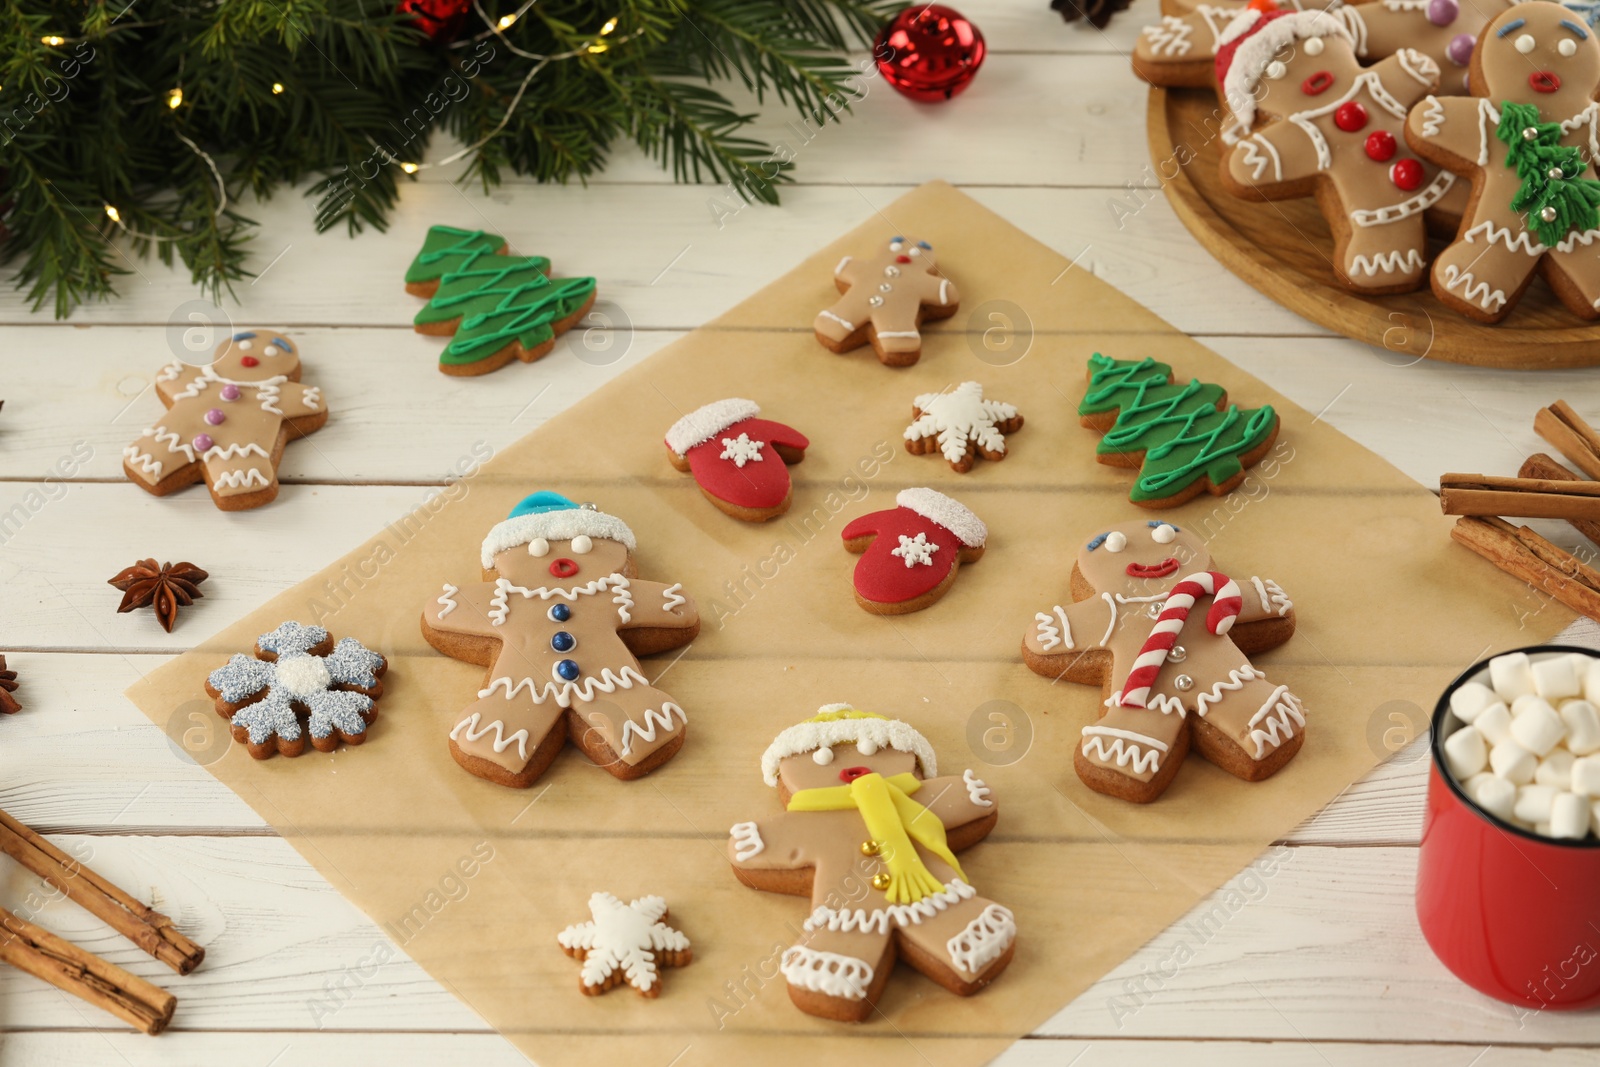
(507, 21)
(175, 99)
(611, 24)
(409, 168)
(53, 41)
(277, 88)
(113, 214)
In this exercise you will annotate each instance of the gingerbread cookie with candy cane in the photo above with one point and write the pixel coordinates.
(1524, 140)
(910, 553)
(870, 833)
(740, 462)
(1337, 134)
(1181, 49)
(887, 298)
(227, 422)
(559, 622)
(1173, 675)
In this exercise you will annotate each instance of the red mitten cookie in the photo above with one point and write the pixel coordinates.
(1172, 674)
(869, 833)
(740, 462)
(886, 299)
(910, 553)
(1336, 135)
(1524, 142)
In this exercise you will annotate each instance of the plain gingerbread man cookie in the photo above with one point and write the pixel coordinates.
(1172, 676)
(1337, 134)
(886, 300)
(227, 422)
(1534, 79)
(869, 833)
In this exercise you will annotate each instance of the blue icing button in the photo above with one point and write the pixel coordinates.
(559, 613)
(568, 669)
(562, 641)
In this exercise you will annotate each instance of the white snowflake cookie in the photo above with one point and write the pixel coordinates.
(299, 685)
(961, 425)
(624, 943)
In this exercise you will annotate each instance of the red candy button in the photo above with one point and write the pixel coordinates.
(1380, 146)
(1350, 117)
(1317, 84)
(1406, 174)
(248, 361)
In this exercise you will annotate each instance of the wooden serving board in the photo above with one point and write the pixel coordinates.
(1281, 248)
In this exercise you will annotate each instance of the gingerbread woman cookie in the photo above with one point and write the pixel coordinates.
(227, 422)
(1133, 634)
(961, 425)
(863, 807)
(740, 462)
(910, 553)
(1337, 135)
(1524, 140)
(558, 622)
(886, 300)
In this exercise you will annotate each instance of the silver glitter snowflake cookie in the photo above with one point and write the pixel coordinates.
(625, 943)
(299, 685)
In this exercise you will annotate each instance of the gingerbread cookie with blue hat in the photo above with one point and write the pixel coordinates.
(559, 621)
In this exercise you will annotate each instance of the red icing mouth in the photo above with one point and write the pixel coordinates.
(1167, 566)
(1544, 81)
(563, 567)
(902, 259)
(1318, 83)
(248, 361)
(850, 774)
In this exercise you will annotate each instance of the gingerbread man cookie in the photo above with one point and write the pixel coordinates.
(740, 462)
(869, 833)
(886, 299)
(1337, 135)
(910, 553)
(1524, 140)
(227, 422)
(558, 622)
(1133, 631)
(961, 425)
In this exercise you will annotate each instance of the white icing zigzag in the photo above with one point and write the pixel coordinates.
(747, 842)
(1395, 262)
(500, 606)
(473, 731)
(565, 692)
(1419, 66)
(828, 973)
(1272, 596)
(446, 599)
(1051, 635)
(1231, 684)
(240, 479)
(672, 597)
(978, 790)
(1258, 160)
(143, 462)
(235, 451)
(1515, 240)
(878, 920)
(1170, 38)
(169, 438)
(985, 940)
(1124, 749)
(1432, 116)
(623, 599)
(1481, 293)
(312, 397)
(652, 720)
(1282, 709)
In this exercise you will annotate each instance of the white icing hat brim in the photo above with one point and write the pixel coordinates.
(700, 424)
(936, 507)
(1250, 59)
(810, 736)
(555, 526)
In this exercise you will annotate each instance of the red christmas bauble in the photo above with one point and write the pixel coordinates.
(1350, 117)
(1407, 174)
(1381, 145)
(439, 19)
(929, 52)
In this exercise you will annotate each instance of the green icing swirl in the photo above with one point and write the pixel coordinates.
(1178, 427)
(447, 249)
(499, 300)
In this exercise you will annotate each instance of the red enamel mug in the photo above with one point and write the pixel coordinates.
(1510, 913)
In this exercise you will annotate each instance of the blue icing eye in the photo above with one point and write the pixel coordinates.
(281, 343)
(243, 336)
(568, 669)
(562, 641)
(897, 237)
(559, 613)
(924, 244)
(1097, 541)
(1153, 523)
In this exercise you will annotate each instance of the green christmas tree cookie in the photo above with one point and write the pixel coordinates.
(1182, 438)
(494, 307)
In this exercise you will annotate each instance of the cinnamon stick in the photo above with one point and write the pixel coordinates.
(1573, 437)
(128, 916)
(85, 975)
(1542, 466)
(1519, 551)
(1533, 498)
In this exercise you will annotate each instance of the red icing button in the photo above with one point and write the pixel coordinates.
(1350, 117)
(1317, 84)
(248, 361)
(850, 774)
(564, 567)
(1380, 146)
(1407, 174)
(1544, 81)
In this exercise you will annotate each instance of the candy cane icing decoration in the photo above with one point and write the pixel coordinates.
(1225, 604)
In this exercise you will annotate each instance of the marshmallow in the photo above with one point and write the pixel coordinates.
(1536, 726)
(1595, 807)
(1557, 678)
(1470, 699)
(1466, 752)
(1534, 802)
(1513, 762)
(1494, 723)
(1498, 797)
(1585, 779)
(1569, 816)
(1470, 786)
(1511, 675)
(1540, 828)
(1591, 682)
(1555, 769)
(1582, 720)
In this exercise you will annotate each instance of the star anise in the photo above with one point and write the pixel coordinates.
(8, 685)
(165, 586)
(1096, 12)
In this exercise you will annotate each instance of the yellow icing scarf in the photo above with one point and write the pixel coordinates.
(894, 820)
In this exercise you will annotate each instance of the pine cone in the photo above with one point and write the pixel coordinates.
(1096, 12)
(8, 685)
(166, 587)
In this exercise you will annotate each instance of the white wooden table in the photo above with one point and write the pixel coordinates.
(1322, 963)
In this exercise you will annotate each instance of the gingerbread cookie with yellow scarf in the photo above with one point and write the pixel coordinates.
(869, 833)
